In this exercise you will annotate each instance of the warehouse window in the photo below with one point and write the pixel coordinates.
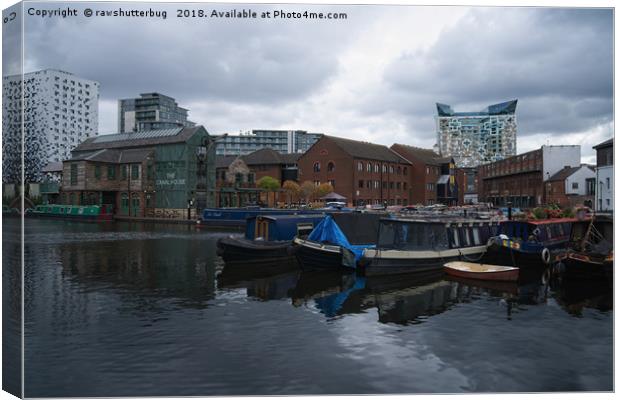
(74, 171)
(97, 172)
(317, 167)
(111, 173)
(135, 172)
(331, 167)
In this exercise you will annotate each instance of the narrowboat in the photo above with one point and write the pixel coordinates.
(267, 237)
(67, 211)
(337, 241)
(412, 245)
(529, 243)
(237, 217)
(589, 253)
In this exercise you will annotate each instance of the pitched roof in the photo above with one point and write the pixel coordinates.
(114, 156)
(427, 156)
(138, 139)
(609, 142)
(224, 161)
(54, 166)
(366, 150)
(564, 173)
(262, 156)
(268, 156)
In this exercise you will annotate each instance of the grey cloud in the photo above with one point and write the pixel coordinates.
(557, 62)
(243, 61)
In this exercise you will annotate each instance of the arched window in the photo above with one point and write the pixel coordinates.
(384, 168)
(369, 167)
(391, 169)
(331, 166)
(405, 171)
(317, 167)
(360, 166)
(398, 170)
(377, 168)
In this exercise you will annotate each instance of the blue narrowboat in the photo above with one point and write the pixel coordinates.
(237, 217)
(338, 241)
(529, 243)
(267, 237)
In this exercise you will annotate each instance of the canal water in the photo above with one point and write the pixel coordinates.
(127, 309)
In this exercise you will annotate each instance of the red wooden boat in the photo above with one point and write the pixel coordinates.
(485, 272)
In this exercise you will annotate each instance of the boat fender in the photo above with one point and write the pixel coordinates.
(546, 256)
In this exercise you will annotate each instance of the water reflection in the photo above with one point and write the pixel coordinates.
(131, 309)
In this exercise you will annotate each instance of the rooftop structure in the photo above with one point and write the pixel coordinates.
(150, 111)
(283, 141)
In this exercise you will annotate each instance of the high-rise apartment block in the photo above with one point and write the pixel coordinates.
(59, 111)
(151, 111)
(475, 138)
(281, 141)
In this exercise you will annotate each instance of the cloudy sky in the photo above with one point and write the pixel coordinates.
(375, 76)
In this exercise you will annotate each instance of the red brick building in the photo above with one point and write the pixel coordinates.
(236, 177)
(467, 183)
(571, 186)
(364, 173)
(520, 180)
(432, 176)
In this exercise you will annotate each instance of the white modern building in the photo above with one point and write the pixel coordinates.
(281, 141)
(604, 176)
(475, 138)
(60, 110)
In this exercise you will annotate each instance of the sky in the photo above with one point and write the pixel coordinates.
(374, 76)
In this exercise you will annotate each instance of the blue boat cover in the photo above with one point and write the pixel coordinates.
(328, 231)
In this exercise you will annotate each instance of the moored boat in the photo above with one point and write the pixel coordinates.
(415, 245)
(529, 243)
(589, 252)
(75, 212)
(487, 272)
(267, 238)
(237, 217)
(338, 241)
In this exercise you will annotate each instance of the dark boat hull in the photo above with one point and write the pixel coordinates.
(242, 250)
(312, 256)
(580, 266)
(381, 263)
(502, 255)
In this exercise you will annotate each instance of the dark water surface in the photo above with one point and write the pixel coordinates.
(139, 310)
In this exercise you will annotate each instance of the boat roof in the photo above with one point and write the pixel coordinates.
(289, 216)
(545, 221)
(441, 220)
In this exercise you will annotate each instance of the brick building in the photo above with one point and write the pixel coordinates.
(432, 176)
(467, 185)
(604, 201)
(571, 186)
(520, 179)
(236, 176)
(160, 173)
(364, 173)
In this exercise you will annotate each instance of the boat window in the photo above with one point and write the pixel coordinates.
(476, 233)
(465, 239)
(455, 237)
(304, 229)
(413, 236)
